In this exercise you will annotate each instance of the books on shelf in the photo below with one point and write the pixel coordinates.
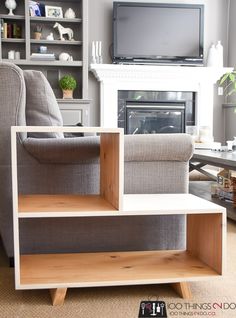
(43, 56)
(10, 30)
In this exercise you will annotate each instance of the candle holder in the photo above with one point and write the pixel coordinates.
(96, 54)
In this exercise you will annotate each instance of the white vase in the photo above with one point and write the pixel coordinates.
(10, 5)
(212, 60)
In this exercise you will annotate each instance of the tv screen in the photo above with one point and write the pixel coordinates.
(157, 32)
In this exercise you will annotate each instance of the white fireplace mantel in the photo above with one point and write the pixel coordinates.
(115, 77)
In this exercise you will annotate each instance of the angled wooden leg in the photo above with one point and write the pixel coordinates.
(183, 289)
(58, 296)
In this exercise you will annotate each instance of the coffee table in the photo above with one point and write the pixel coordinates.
(202, 189)
(220, 159)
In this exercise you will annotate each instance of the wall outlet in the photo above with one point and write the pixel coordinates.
(220, 90)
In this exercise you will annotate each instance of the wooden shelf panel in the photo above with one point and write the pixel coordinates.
(73, 101)
(110, 269)
(56, 42)
(43, 205)
(31, 206)
(12, 17)
(12, 40)
(64, 20)
(45, 63)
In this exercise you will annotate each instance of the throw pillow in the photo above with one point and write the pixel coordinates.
(41, 105)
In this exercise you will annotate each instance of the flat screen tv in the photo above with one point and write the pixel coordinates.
(158, 33)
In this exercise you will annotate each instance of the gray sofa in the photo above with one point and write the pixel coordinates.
(153, 164)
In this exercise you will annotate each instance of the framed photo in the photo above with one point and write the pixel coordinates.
(53, 12)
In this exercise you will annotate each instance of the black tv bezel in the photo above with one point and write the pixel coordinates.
(192, 60)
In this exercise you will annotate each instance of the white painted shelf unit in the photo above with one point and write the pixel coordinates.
(203, 257)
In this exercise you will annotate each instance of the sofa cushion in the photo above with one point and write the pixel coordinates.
(41, 105)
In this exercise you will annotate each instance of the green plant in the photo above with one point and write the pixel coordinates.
(38, 28)
(68, 82)
(228, 80)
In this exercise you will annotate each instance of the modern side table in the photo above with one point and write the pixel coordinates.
(203, 258)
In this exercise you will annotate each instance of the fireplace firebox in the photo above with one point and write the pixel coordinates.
(148, 112)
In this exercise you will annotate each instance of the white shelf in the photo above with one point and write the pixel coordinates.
(12, 40)
(64, 20)
(12, 17)
(46, 206)
(45, 63)
(56, 42)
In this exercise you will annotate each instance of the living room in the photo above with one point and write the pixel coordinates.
(147, 181)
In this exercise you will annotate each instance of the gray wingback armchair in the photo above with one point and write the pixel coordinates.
(153, 164)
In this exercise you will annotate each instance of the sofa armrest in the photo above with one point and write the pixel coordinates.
(64, 150)
(163, 147)
(158, 147)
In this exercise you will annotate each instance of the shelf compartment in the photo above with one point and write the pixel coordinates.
(64, 20)
(42, 205)
(110, 269)
(56, 42)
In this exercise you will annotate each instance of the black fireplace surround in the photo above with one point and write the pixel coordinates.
(150, 112)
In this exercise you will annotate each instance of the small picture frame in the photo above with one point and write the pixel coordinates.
(53, 12)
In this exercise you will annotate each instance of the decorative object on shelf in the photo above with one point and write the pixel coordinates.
(67, 84)
(38, 32)
(43, 57)
(17, 55)
(96, 52)
(53, 12)
(10, 5)
(11, 55)
(43, 49)
(34, 9)
(212, 58)
(215, 55)
(65, 57)
(69, 14)
(50, 37)
(68, 31)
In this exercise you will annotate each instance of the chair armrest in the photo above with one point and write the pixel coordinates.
(162, 147)
(64, 150)
(158, 147)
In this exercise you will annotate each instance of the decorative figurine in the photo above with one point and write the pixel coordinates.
(63, 31)
(50, 37)
(65, 57)
(10, 5)
(70, 14)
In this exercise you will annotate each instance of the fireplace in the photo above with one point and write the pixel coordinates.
(146, 112)
(198, 81)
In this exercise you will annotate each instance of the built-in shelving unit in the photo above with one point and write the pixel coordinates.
(27, 44)
(203, 258)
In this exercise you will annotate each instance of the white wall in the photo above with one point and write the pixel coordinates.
(100, 28)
